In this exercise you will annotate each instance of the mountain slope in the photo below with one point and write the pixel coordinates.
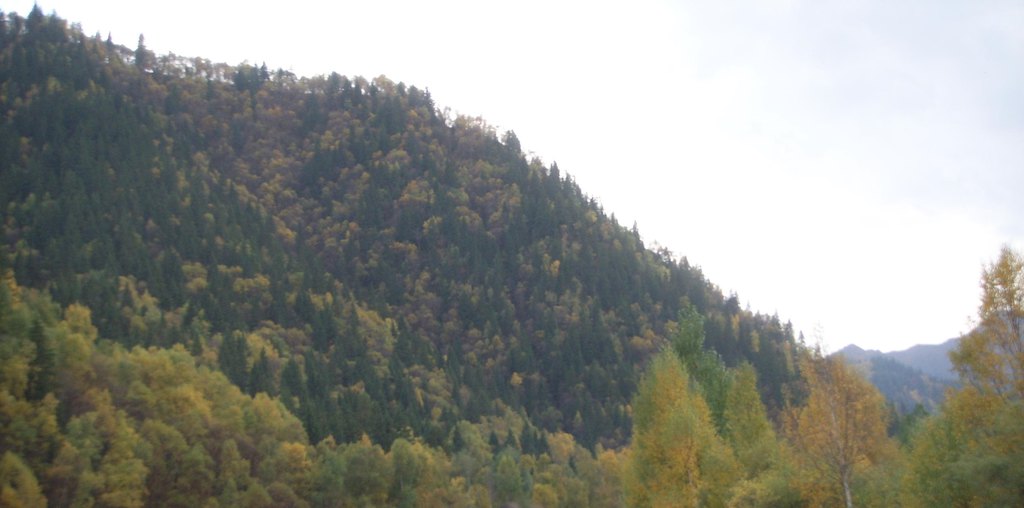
(337, 243)
(855, 354)
(903, 385)
(932, 359)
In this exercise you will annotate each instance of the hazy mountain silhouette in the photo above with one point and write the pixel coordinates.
(917, 375)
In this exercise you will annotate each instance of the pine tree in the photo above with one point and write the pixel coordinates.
(261, 379)
(6, 298)
(293, 390)
(42, 374)
(233, 358)
(143, 57)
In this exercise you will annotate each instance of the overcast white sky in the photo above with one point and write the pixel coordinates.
(849, 164)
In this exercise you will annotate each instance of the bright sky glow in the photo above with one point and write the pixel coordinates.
(849, 165)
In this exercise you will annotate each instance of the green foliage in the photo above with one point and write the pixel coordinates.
(153, 427)
(355, 221)
(214, 237)
(746, 425)
(508, 481)
(369, 473)
(706, 366)
(905, 427)
(41, 367)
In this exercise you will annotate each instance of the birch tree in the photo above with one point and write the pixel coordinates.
(840, 431)
(972, 453)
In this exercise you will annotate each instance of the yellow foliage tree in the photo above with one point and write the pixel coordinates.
(676, 459)
(991, 359)
(420, 474)
(972, 453)
(124, 474)
(839, 433)
(18, 486)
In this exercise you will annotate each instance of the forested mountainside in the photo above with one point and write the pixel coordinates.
(229, 286)
(338, 242)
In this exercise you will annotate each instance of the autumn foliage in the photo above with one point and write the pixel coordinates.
(227, 285)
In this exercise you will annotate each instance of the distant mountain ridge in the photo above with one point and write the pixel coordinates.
(931, 359)
(917, 375)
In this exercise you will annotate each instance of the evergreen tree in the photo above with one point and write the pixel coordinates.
(293, 389)
(233, 359)
(261, 378)
(143, 57)
(42, 375)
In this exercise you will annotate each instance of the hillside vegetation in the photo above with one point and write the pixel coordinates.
(339, 245)
(231, 286)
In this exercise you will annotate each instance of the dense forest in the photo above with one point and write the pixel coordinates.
(230, 286)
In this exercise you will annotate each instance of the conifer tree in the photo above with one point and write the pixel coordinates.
(143, 56)
(233, 358)
(261, 379)
(42, 367)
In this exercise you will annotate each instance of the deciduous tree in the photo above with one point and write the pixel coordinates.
(972, 452)
(676, 459)
(839, 432)
(18, 486)
(747, 428)
(991, 358)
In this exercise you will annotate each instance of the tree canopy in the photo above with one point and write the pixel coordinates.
(226, 285)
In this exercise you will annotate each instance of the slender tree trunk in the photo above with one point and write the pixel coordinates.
(846, 490)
